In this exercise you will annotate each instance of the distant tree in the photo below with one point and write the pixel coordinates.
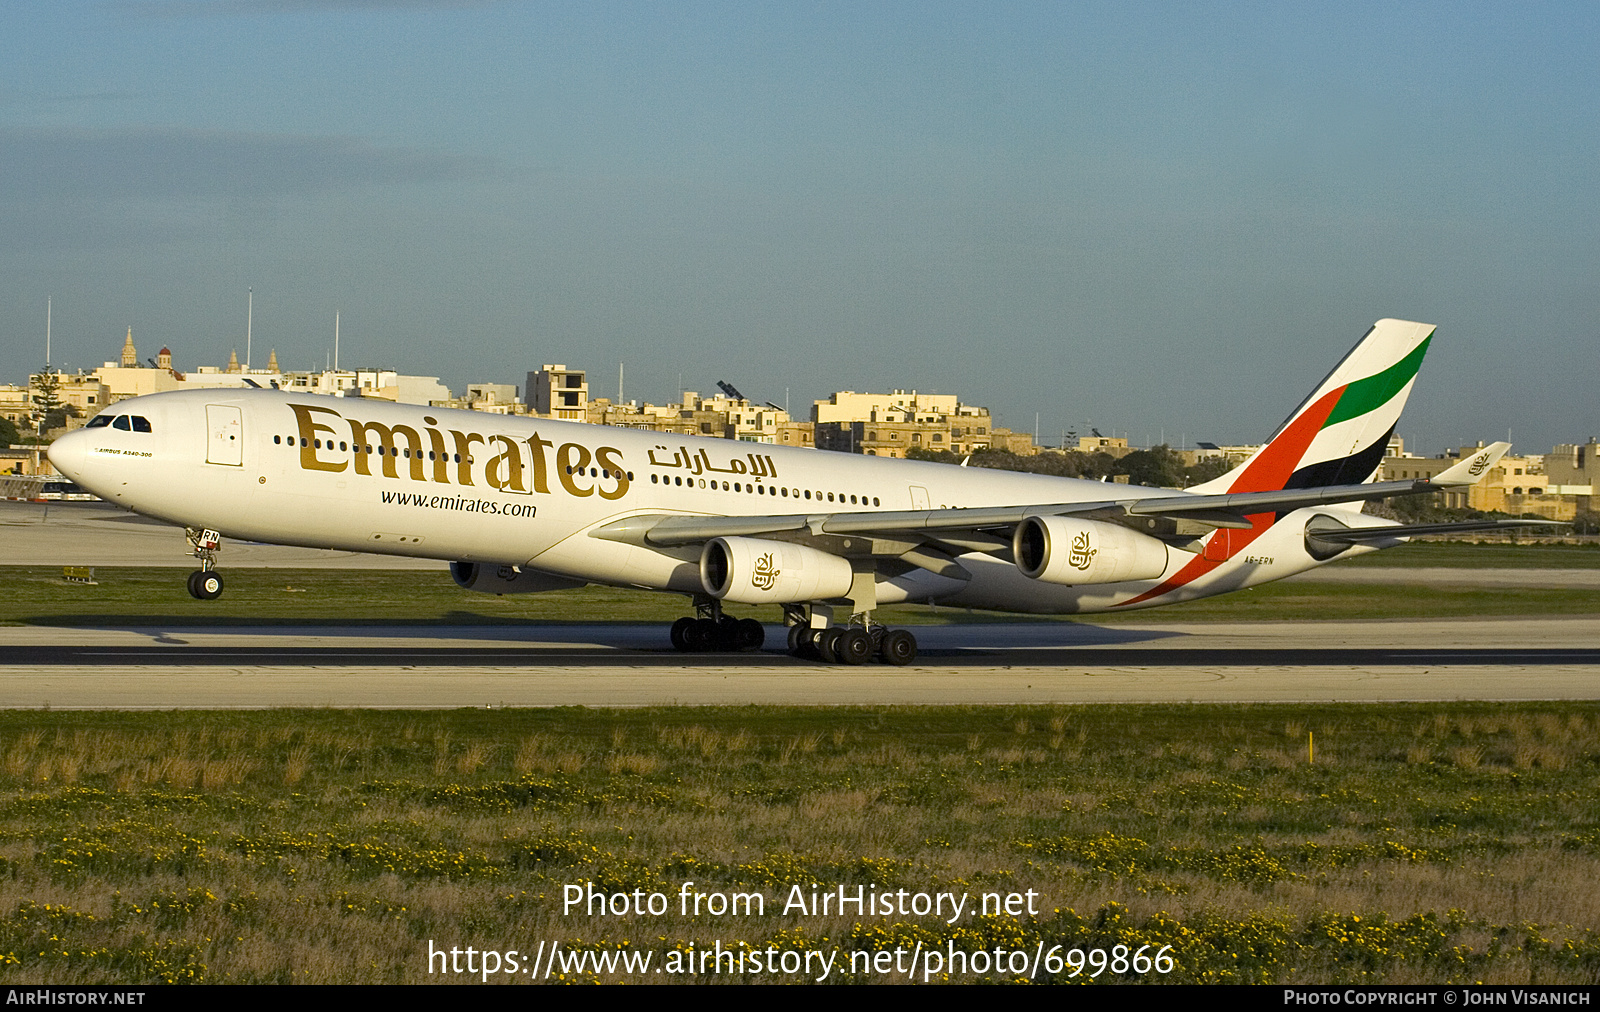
(1061, 464)
(1159, 466)
(1206, 469)
(47, 403)
(8, 432)
(1586, 522)
(1425, 509)
(46, 392)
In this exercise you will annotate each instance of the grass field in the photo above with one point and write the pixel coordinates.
(1426, 843)
(1463, 555)
(157, 596)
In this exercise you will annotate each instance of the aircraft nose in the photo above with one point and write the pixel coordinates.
(67, 453)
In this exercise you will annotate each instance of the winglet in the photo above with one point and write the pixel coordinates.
(1471, 470)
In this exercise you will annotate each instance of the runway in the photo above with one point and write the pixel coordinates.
(631, 665)
(625, 665)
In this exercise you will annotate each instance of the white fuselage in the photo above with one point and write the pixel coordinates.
(373, 476)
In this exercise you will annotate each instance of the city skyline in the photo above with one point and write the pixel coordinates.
(1090, 213)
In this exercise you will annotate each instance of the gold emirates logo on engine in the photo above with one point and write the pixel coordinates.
(1081, 554)
(764, 575)
(504, 463)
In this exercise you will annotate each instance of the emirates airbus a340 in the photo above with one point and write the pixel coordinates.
(522, 504)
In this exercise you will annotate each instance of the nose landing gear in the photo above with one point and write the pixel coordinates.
(205, 583)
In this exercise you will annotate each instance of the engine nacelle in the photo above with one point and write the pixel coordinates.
(1070, 552)
(753, 571)
(487, 578)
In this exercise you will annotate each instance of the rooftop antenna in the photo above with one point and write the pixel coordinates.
(47, 301)
(335, 340)
(619, 382)
(249, 319)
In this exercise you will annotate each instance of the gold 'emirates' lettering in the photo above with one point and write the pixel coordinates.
(571, 459)
(385, 447)
(610, 458)
(503, 463)
(508, 459)
(441, 459)
(541, 480)
(310, 434)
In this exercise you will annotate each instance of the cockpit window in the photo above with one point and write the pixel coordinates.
(127, 423)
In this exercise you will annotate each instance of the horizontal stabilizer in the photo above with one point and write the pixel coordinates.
(1359, 535)
(1471, 470)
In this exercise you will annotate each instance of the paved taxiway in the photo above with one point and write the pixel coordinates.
(98, 534)
(610, 665)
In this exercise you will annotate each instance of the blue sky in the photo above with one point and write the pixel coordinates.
(1164, 218)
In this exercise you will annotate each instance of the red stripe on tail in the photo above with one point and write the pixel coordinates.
(1272, 467)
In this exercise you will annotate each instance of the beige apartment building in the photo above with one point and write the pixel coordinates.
(719, 416)
(890, 425)
(558, 392)
(1515, 485)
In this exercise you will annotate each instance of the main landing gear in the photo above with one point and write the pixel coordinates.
(811, 636)
(850, 644)
(205, 583)
(710, 631)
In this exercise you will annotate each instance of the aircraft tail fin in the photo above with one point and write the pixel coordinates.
(1339, 434)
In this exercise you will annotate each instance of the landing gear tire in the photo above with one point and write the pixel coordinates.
(680, 634)
(803, 642)
(853, 646)
(898, 648)
(749, 634)
(205, 584)
(701, 635)
(825, 642)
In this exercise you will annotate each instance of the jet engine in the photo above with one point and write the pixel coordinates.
(753, 571)
(1068, 551)
(492, 579)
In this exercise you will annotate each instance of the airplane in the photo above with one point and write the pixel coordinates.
(522, 505)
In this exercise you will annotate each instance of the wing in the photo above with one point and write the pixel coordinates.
(988, 528)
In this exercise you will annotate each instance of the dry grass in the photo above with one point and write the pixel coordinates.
(330, 847)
